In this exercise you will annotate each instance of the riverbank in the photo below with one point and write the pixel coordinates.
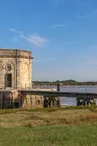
(69, 126)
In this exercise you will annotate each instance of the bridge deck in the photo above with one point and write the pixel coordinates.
(57, 93)
(53, 93)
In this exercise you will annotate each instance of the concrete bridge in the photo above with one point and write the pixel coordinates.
(52, 98)
(41, 97)
(50, 93)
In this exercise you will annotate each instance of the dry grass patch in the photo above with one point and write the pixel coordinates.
(40, 117)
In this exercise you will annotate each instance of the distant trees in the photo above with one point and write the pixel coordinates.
(65, 82)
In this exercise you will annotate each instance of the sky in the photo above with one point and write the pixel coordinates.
(62, 35)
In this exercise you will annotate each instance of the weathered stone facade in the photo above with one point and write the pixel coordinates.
(14, 99)
(15, 68)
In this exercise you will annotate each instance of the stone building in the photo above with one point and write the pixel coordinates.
(15, 69)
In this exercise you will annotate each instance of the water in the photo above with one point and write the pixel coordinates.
(72, 101)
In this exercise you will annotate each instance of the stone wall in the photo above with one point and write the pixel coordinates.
(21, 67)
(14, 99)
(33, 101)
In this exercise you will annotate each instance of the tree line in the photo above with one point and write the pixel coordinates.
(65, 82)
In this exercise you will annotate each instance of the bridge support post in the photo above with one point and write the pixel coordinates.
(51, 101)
(58, 87)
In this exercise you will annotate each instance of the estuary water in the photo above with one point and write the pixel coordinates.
(72, 101)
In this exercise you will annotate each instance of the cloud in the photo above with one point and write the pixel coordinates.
(36, 40)
(20, 33)
(33, 39)
(85, 16)
(16, 31)
(94, 11)
(63, 25)
(11, 29)
(59, 25)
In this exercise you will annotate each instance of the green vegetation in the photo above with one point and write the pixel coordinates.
(49, 136)
(65, 82)
(71, 126)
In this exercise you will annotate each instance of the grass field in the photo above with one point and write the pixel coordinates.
(74, 126)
